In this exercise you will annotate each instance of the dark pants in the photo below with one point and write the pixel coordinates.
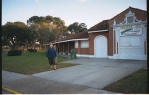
(51, 61)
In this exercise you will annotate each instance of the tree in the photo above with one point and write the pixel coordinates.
(34, 34)
(15, 33)
(60, 29)
(49, 27)
(76, 27)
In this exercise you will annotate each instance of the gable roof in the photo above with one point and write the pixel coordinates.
(104, 25)
(130, 8)
(81, 35)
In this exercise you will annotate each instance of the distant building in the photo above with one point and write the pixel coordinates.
(121, 37)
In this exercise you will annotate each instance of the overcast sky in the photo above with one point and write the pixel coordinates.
(89, 12)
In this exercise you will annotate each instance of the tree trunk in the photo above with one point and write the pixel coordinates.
(12, 44)
(26, 45)
(42, 46)
(45, 47)
(34, 44)
(16, 46)
(11, 47)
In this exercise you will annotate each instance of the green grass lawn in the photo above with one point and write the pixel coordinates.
(135, 83)
(30, 63)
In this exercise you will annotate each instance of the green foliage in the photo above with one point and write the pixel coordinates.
(32, 50)
(14, 53)
(76, 27)
(15, 33)
(47, 26)
(34, 34)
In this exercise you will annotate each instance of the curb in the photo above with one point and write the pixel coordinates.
(10, 90)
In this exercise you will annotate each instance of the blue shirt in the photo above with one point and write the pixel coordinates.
(51, 53)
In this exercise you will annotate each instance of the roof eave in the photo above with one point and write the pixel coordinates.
(98, 31)
(69, 40)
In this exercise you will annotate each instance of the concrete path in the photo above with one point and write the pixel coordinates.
(10, 76)
(94, 73)
(35, 85)
(88, 78)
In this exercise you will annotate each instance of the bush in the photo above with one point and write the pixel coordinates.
(32, 50)
(14, 53)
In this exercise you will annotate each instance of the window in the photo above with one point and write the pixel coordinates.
(76, 44)
(84, 44)
(130, 19)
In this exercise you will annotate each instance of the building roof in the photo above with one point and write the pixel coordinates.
(104, 25)
(130, 8)
(81, 35)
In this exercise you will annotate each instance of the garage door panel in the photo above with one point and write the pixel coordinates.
(100, 46)
(131, 47)
(130, 41)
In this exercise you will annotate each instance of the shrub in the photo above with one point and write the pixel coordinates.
(32, 50)
(14, 53)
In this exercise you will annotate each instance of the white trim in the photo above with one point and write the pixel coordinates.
(85, 55)
(69, 40)
(112, 57)
(126, 57)
(103, 57)
(113, 38)
(97, 31)
(136, 23)
(82, 55)
(91, 56)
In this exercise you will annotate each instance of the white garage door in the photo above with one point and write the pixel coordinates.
(131, 47)
(100, 47)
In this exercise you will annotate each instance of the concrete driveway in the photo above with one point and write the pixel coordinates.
(93, 72)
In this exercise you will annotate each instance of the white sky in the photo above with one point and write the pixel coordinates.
(89, 12)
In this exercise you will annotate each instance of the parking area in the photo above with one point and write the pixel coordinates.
(93, 72)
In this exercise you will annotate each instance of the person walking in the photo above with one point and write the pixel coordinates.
(51, 55)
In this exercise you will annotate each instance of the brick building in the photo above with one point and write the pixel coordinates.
(121, 37)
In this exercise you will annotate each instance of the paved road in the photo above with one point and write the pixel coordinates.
(5, 92)
(88, 78)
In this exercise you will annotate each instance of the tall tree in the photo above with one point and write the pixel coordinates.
(15, 33)
(60, 29)
(77, 27)
(49, 27)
